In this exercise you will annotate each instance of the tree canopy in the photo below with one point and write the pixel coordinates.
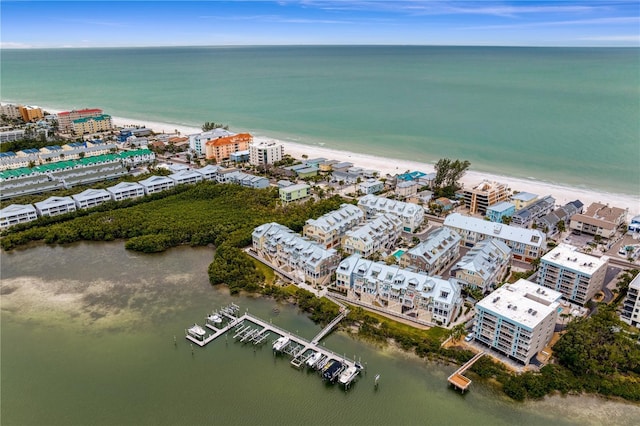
(448, 173)
(210, 125)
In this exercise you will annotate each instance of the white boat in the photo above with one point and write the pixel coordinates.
(313, 359)
(197, 332)
(348, 375)
(279, 344)
(215, 318)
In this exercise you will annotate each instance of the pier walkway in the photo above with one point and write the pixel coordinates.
(458, 380)
(299, 348)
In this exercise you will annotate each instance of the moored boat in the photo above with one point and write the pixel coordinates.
(315, 357)
(279, 344)
(348, 375)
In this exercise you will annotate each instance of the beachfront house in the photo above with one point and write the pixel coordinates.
(378, 234)
(525, 244)
(527, 216)
(412, 215)
(328, 229)
(517, 320)
(433, 255)
(399, 291)
(371, 186)
(578, 276)
(523, 199)
(293, 255)
(599, 219)
(484, 266)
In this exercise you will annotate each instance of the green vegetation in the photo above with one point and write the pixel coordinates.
(211, 125)
(448, 173)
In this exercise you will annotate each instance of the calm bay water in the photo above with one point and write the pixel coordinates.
(562, 115)
(87, 338)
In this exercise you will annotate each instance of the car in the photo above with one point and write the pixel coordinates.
(469, 337)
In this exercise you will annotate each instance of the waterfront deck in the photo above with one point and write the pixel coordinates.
(458, 380)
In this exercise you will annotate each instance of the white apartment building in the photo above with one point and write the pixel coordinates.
(399, 290)
(126, 190)
(578, 276)
(631, 305)
(208, 172)
(157, 184)
(412, 215)
(378, 234)
(264, 152)
(328, 229)
(184, 177)
(433, 255)
(371, 186)
(517, 320)
(198, 141)
(54, 206)
(17, 213)
(525, 244)
(484, 266)
(91, 198)
(301, 258)
(599, 219)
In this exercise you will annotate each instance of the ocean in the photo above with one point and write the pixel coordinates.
(565, 116)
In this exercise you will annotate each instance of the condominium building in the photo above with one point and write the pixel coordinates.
(293, 254)
(378, 234)
(517, 320)
(399, 290)
(184, 177)
(198, 141)
(126, 190)
(11, 135)
(264, 152)
(412, 215)
(221, 148)
(157, 184)
(91, 198)
(525, 244)
(433, 255)
(549, 223)
(631, 305)
(65, 119)
(54, 206)
(208, 172)
(484, 266)
(485, 194)
(599, 219)
(88, 125)
(526, 216)
(17, 213)
(295, 192)
(12, 111)
(523, 199)
(328, 229)
(578, 276)
(30, 113)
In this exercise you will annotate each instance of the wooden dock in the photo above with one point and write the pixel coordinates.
(458, 380)
(298, 348)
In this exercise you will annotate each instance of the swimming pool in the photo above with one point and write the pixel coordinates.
(398, 253)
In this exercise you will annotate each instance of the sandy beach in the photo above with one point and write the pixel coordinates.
(562, 194)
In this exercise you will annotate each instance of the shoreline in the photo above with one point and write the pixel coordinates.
(562, 193)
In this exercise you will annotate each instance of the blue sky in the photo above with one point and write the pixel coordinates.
(85, 23)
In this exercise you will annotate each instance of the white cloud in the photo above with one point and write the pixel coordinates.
(14, 45)
(594, 21)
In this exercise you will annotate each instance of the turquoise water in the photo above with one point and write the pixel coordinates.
(562, 115)
(398, 253)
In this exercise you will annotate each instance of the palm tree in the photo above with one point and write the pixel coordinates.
(457, 332)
